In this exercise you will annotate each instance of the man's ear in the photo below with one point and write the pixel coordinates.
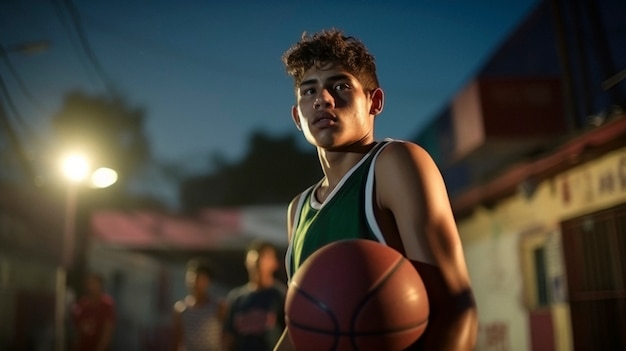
(378, 101)
(296, 117)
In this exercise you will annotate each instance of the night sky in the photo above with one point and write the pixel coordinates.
(207, 73)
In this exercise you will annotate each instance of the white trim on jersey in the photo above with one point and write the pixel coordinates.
(296, 221)
(369, 198)
(316, 204)
(423, 253)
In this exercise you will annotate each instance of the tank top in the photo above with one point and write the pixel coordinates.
(347, 213)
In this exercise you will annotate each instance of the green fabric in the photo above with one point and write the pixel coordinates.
(343, 217)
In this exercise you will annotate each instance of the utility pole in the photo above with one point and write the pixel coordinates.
(567, 81)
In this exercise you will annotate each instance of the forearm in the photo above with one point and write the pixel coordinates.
(453, 332)
(453, 323)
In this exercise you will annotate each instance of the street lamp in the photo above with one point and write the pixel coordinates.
(103, 177)
(76, 169)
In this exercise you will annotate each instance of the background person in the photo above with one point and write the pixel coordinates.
(255, 311)
(94, 317)
(197, 317)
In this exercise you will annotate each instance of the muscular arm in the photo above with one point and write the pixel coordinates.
(410, 187)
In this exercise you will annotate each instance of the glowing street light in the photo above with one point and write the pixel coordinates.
(103, 177)
(76, 168)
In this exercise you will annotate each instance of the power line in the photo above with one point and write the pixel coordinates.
(19, 80)
(79, 41)
(161, 48)
(71, 36)
(28, 47)
(13, 107)
(139, 41)
(12, 135)
(76, 20)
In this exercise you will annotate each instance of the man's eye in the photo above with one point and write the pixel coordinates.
(308, 91)
(342, 86)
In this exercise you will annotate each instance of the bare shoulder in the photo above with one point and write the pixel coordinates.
(409, 183)
(401, 152)
(402, 162)
(409, 186)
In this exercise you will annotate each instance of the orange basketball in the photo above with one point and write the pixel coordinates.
(356, 295)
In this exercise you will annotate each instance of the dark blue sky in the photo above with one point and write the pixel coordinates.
(209, 72)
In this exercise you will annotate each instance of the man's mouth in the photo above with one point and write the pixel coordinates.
(324, 120)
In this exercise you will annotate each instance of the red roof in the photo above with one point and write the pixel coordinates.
(146, 229)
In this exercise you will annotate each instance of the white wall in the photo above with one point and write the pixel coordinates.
(492, 240)
(496, 276)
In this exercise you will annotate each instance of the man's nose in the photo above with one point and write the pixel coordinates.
(324, 100)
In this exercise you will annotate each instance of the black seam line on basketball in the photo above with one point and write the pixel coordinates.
(369, 294)
(357, 334)
(324, 308)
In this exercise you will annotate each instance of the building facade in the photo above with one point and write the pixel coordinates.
(533, 151)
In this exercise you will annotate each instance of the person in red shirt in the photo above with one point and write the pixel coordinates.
(94, 317)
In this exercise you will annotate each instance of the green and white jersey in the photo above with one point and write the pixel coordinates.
(347, 213)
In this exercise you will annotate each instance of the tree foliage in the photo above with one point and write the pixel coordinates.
(273, 171)
(108, 131)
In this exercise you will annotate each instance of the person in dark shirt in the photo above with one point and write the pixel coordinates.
(255, 311)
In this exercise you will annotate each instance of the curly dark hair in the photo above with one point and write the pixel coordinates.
(331, 46)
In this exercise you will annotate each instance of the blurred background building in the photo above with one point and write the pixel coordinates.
(533, 150)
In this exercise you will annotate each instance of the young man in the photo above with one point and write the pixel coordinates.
(389, 191)
(94, 317)
(255, 311)
(197, 317)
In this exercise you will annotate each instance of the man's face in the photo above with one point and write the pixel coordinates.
(332, 109)
(264, 261)
(93, 286)
(197, 282)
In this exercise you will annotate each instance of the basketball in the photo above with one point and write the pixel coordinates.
(356, 295)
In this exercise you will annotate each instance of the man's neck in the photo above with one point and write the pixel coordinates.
(200, 298)
(94, 296)
(335, 164)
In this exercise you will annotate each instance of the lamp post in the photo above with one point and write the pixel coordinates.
(76, 169)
